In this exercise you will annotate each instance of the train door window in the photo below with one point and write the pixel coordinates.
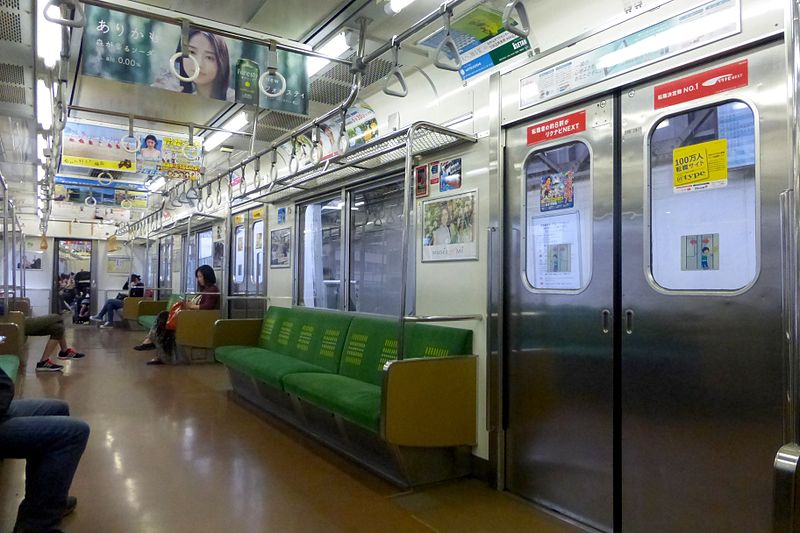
(257, 269)
(376, 238)
(205, 248)
(238, 259)
(703, 199)
(190, 285)
(558, 217)
(320, 257)
(165, 263)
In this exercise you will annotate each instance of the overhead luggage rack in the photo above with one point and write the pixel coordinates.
(421, 137)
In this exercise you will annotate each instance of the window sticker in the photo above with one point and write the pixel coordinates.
(700, 166)
(556, 192)
(700, 252)
(556, 251)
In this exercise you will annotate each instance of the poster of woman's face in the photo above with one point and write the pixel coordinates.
(280, 244)
(449, 228)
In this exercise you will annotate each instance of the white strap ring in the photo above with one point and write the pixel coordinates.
(177, 74)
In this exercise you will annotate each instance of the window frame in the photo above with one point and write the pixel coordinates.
(647, 229)
(543, 147)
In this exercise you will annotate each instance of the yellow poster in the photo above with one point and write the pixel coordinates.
(258, 214)
(700, 166)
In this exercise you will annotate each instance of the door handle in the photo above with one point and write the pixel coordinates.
(629, 321)
(605, 315)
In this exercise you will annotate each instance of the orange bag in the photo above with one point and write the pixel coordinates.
(173, 311)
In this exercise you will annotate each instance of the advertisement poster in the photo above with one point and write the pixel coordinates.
(421, 181)
(449, 228)
(281, 215)
(280, 246)
(554, 252)
(481, 40)
(450, 175)
(704, 24)
(127, 195)
(118, 265)
(700, 252)
(700, 166)
(32, 257)
(433, 173)
(133, 49)
(556, 192)
(94, 145)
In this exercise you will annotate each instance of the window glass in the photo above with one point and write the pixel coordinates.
(320, 260)
(238, 260)
(257, 268)
(205, 249)
(558, 217)
(165, 266)
(376, 246)
(190, 284)
(703, 199)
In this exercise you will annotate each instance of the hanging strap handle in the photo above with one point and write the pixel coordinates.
(184, 53)
(523, 28)
(272, 74)
(447, 44)
(78, 18)
(343, 143)
(396, 73)
(130, 143)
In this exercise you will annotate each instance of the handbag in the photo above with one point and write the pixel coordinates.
(173, 312)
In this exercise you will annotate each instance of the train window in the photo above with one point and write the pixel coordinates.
(376, 237)
(205, 254)
(703, 198)
(190, 285)
(257, 269)
(320, 258)
(558, 221)
(165, 263)
(238, 259)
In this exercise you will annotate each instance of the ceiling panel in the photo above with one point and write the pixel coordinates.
(233, 12)
(292, 19)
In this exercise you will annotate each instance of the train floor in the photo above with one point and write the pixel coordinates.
(170, 452)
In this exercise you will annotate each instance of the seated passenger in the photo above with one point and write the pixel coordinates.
(136, 289)
(52, 326)
(42, 433)
(163, 338)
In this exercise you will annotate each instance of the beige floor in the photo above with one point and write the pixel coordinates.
(170, 453)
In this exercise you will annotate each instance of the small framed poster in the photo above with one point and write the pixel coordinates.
(421, 181)
(281, 215)
(433, 172)
(450, 175)
(280, 247)
(449, 228)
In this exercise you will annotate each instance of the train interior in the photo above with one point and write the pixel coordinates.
(407, 265)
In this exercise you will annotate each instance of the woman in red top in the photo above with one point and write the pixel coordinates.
(160, 336)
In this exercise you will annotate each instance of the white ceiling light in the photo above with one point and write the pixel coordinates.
(333, 48)
(48, 35)
(235, 124)
(393, 7)
(44, 107)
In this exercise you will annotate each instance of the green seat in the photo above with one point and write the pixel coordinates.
(264, 365)
(319, 337)
(350, 398)
(425, 340)
(10, 365)
(371, 343)
(173, 299)
(147, 321)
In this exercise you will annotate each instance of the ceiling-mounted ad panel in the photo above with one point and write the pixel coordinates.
(138, 50)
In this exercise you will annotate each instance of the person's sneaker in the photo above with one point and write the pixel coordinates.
(48, 366)
(72, 503)
(69, 353)
(95, 319)
(107, 325)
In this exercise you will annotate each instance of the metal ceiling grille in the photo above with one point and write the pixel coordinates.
(328, 91)
(10, 4)
(375, 71)
(12, 74)
(10, 27)
(10, 94)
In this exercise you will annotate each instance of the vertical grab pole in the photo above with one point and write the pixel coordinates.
(5, 248)
(408, 198)
(186, 272)
(13, 251)
(21, 255)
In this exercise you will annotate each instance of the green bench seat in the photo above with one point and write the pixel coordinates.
(147, 320)
(10, 365)
(263, 365)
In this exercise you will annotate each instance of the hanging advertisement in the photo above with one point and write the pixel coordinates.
(449, 228)
(481, 40)
(77, 190)
(93, 145)
(133, 49)
(691, 29)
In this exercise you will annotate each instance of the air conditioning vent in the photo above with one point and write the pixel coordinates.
(10, 94)
(12, 74)
(10, 27)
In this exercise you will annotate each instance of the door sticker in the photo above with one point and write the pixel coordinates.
(556, 191)
(700, 166)
(700, 85)
(556, 250)
(700, 252)
(556, 128)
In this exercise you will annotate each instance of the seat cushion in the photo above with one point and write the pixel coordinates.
(352, 399)
(273, 326)
(264, 365)
(320, 337)
(10, 365)
(371, 343)
(147, 321)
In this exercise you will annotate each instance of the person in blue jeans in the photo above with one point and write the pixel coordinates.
(106, 314)
(51, 442)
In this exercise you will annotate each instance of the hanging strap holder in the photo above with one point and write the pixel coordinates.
(448, 43)
(130, 143)
(316, 145)
(272, 73)
(184, 54)
(343, 143)
(522, 29)
(396, 73)
(78, 19)
(294, 163)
